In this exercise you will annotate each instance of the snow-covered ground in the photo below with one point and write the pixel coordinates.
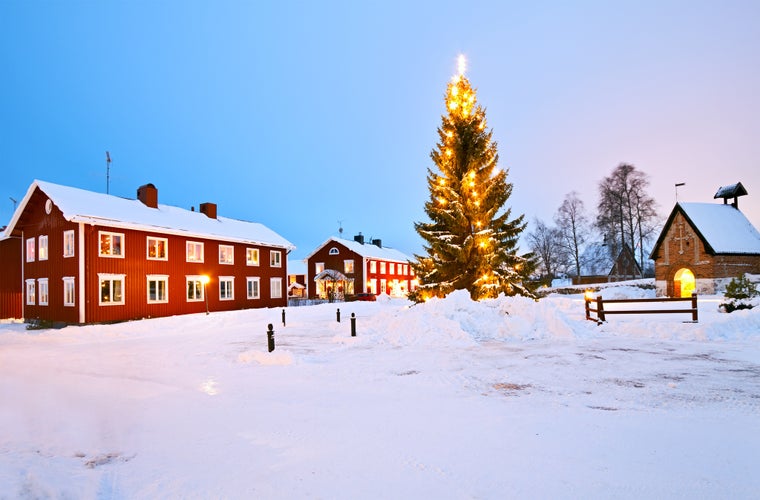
(507, 398)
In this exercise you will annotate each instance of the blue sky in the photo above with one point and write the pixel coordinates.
(303, 114)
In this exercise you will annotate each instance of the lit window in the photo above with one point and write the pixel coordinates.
(275, 288)
(334, 251)
(372, 288)
(348, 266)
(68, 243)
(42, 286)
(111, 244)
(382, 268)
(31, 292)
(252, 256)
(158, 286)
(226, 288)
(194, 251)
(391, 268)
(319, 267)
(275, 258)
(30, 250)
(252, 286)
(383, 286)
(226, 254)
(111, 289)
(157, 248)
(194, 288)
(68, 292)
(43, 247)
(373, 266)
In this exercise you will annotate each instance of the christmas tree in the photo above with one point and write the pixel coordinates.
(471, 242)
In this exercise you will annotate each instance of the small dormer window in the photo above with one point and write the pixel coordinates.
(334, 251)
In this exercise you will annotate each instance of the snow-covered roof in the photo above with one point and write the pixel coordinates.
(731, 191)
(79, 205)
(367, 250)
(723, 228)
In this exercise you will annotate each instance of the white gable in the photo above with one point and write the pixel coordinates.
(725, 228)
(79, 205)
(367, 250)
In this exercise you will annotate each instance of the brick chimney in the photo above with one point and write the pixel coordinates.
(148, 194)
(377, 242)
(208, 209)
(359, 238)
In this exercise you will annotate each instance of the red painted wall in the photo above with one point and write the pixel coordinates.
(10, 279)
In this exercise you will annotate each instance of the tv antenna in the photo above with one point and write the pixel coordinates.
(14, 202)
(679, 184)
(340, 227)
(108, 171)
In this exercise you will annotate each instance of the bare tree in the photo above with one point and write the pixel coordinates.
(625, 211)
(573, 229)
(544, 242)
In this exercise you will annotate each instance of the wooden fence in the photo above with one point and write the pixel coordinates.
(602, 313)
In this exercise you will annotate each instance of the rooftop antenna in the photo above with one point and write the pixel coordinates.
(677, 186)
(108, 171)
(340, 227)
(14, 202)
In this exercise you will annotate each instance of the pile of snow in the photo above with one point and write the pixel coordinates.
(508, 397)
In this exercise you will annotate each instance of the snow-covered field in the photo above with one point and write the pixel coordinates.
(507, 398)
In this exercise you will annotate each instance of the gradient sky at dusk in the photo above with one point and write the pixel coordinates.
(302, 114)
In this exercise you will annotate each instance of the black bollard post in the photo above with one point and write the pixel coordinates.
(337, 315)
(353, 325)
(283, 317)
(270, 337)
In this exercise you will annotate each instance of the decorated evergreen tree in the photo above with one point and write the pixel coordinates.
(471, 243)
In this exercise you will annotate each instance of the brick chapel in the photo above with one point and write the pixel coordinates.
(704, 245)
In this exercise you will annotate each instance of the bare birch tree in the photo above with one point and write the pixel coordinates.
(573, 229)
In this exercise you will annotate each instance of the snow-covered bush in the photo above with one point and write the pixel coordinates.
(741, 293)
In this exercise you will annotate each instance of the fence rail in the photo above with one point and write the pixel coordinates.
(601, 312)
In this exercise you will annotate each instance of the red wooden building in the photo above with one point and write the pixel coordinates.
(341, 267)
(10, 278)
(88, 257)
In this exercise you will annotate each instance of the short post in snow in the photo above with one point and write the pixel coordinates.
(600, 308)
(283, 317)
(353, 325)
(337, 315)
(694, 312)
(270, 337)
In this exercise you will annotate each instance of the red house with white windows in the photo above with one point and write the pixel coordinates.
(89, 257)
(341, 267)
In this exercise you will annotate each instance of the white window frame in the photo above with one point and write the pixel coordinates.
(195, 279)
(157, 278)
(382, 268)
(252, 257)
(230, 285)
(68, 243)
(253, 288)
(275, 288)
(42, 247)
(334, 251)
(226, 254)
(30, 250)
(319, 267)
(348, 266)
(192, 256)
(391, 268)
(152, 242)
(69, 291)
(373, 286)
(275, 258)
(112, 278)
(31, 292)
(111, 254)
(43, 291)
(373, 266)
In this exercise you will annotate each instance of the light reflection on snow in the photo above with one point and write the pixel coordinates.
(209, 387)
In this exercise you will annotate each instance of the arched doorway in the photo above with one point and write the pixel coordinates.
(684, 283)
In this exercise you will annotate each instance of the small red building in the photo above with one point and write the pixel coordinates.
(10, 278)
(341, 267)
(704, 245)
(87, 257)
